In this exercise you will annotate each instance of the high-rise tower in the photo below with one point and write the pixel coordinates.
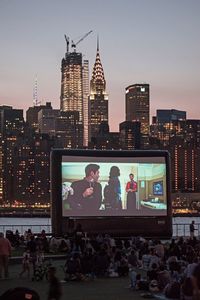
(11, 129)
(75, 90)
(137, 105)
(98, 99)
(85, 101)
(71, 98)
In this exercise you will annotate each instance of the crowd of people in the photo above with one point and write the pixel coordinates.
(168, 267)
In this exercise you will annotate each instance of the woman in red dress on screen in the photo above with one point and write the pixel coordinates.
(131, 189)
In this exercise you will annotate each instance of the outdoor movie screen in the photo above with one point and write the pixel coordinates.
(113, 186)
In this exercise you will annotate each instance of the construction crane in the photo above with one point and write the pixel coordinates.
(67, 41)
(75, 44)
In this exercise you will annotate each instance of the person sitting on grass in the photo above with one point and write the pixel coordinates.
(164, 277)
(73, 268)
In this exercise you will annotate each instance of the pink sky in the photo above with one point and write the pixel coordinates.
(140, 41)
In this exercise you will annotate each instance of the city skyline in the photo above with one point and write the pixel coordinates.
(152, 42)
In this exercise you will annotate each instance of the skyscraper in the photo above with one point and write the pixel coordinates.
(71, 98)
(11, 129)
(32, 115)
(75, 90)
(98, 99)
(47, 120)
(85, 101)
(1, 167)
(129, 135)
(31, 168)
(137, 105)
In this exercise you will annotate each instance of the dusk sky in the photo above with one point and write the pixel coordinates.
(149, 41)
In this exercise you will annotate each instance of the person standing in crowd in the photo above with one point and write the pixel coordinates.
(25, 263)
(131, 189)
(192, 229)
(5, 253)
(87, 193)
(54, 292)
(32, 247)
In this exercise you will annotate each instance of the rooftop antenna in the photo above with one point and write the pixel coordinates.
(36, 102)
(97, 42)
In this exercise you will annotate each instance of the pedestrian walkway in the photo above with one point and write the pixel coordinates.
(104, 288)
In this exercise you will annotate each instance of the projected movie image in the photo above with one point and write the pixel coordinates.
(113, 189)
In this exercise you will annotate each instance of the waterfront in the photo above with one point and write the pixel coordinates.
(23, 224)
(180, 225)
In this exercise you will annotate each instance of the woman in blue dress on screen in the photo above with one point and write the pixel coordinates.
(112, 191)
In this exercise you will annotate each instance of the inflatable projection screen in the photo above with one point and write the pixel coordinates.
(121, 193)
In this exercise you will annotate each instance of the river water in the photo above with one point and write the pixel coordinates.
(37, 224)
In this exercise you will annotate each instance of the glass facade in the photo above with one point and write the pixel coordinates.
(137, 105)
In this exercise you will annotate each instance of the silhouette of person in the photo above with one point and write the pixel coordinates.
(192, 229)
(114, 188)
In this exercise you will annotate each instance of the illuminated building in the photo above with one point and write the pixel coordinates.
(167, 124)
(72, 94)
(71, 98)
(85, 101)
(130, 137)
(11, 129)
(1, 167)
(105, 140)
(47, 119)
(192, 132)
(185, 162)
(137, 105)
(31, 169)
(12, 120)
(98, 99)
(64, 126)
(32, 115)
(164, 132)
(68, 130)
(182, 139)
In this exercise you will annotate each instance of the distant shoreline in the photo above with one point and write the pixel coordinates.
(47, 215)
(25, 215)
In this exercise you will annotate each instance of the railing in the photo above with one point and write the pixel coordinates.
(178, 229)
(23, 228)
(184, 230)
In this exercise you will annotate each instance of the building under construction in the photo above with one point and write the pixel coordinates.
(75, 85)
